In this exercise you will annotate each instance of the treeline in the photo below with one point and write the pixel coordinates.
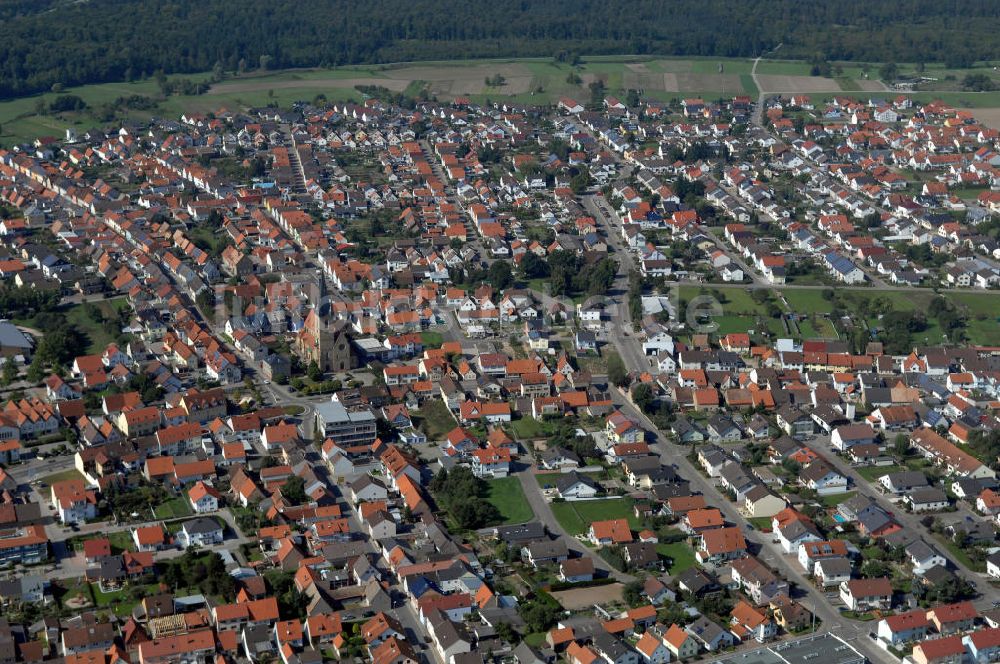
(463, 496)
(45, 42)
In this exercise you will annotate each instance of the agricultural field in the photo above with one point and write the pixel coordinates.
(742, 313)
(537, 81)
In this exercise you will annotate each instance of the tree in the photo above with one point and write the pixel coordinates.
(508, 633)
(617, 373)
(901, 445)
(533, 266)
(314, 372)
(500, 275)
(462, 494)
(581, 181)
(888, 72)
(873, 568)
(539, 615)
(293, 490)
(632, 592)
(642, 396)
(9, 372)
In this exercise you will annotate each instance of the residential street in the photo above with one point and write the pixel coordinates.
(786, 566)
(543, 513)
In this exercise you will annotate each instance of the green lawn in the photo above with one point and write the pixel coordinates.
(817, 328)
(528, 427)
(121, 541)
(871, 473)
(576, 516)
(432, 339)
(807, 301)
(99, 333)
(71, 474)
(960, 555)
(434, 419)
(174, 508)
(507, 496)
(535, 639)
(836, 499)
(681, 556)
(734, 300)
(70, 589)
(120, 601)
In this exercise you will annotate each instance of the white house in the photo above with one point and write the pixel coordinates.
(200, 532)
(572, 486)
(203, 498)
(652, 649)
(903, 627)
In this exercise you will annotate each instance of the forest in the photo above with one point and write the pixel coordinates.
(46, 43)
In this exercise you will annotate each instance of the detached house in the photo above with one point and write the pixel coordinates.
(867, 594)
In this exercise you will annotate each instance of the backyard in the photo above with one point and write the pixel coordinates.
(174, 508)
(680, 554)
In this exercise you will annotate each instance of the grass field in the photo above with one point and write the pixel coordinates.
(528, 428)
(98, 334)
(507, 496)
(576, 516)
(871, 473)
(434, 420)
(960, 554)
(174, 508)
(837, 498)
(431, 339)
(737, 300)
(681, 556)
(536, 81)
(981, 308)
(71, 474)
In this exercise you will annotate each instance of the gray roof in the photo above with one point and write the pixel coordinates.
(928, 495)
(836, 566)
(526, 655)
(704, 630)
(201, 526)
(522, 532)
(921, 550)
(548, 549)
(874, 519)
(567, 480)
(11, 337)
(907, 479)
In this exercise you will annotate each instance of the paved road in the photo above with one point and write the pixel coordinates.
(543, 512)
(622, 323)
